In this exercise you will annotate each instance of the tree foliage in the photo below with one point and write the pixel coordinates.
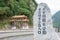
(10, 8)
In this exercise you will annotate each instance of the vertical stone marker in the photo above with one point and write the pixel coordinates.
(42, 24)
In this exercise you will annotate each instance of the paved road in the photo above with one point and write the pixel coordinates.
(23, 37)
(16, 35)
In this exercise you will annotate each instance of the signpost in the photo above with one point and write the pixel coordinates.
(42, 24)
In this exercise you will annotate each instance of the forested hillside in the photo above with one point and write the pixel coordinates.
(10, 8)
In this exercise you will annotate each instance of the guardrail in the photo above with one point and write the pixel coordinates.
(11, 33)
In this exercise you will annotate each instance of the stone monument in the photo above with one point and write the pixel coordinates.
(42, 24)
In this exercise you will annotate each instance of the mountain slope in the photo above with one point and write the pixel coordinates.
(56, 19)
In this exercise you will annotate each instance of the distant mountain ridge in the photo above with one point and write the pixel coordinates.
(56, 19)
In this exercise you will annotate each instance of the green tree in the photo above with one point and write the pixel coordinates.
(10, 8)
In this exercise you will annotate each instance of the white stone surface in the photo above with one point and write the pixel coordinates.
(48, 28)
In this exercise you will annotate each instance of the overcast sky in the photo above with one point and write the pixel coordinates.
(54, 5)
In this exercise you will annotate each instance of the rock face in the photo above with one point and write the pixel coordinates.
(42, 24)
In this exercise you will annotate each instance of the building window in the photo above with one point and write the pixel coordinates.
(43, 20)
